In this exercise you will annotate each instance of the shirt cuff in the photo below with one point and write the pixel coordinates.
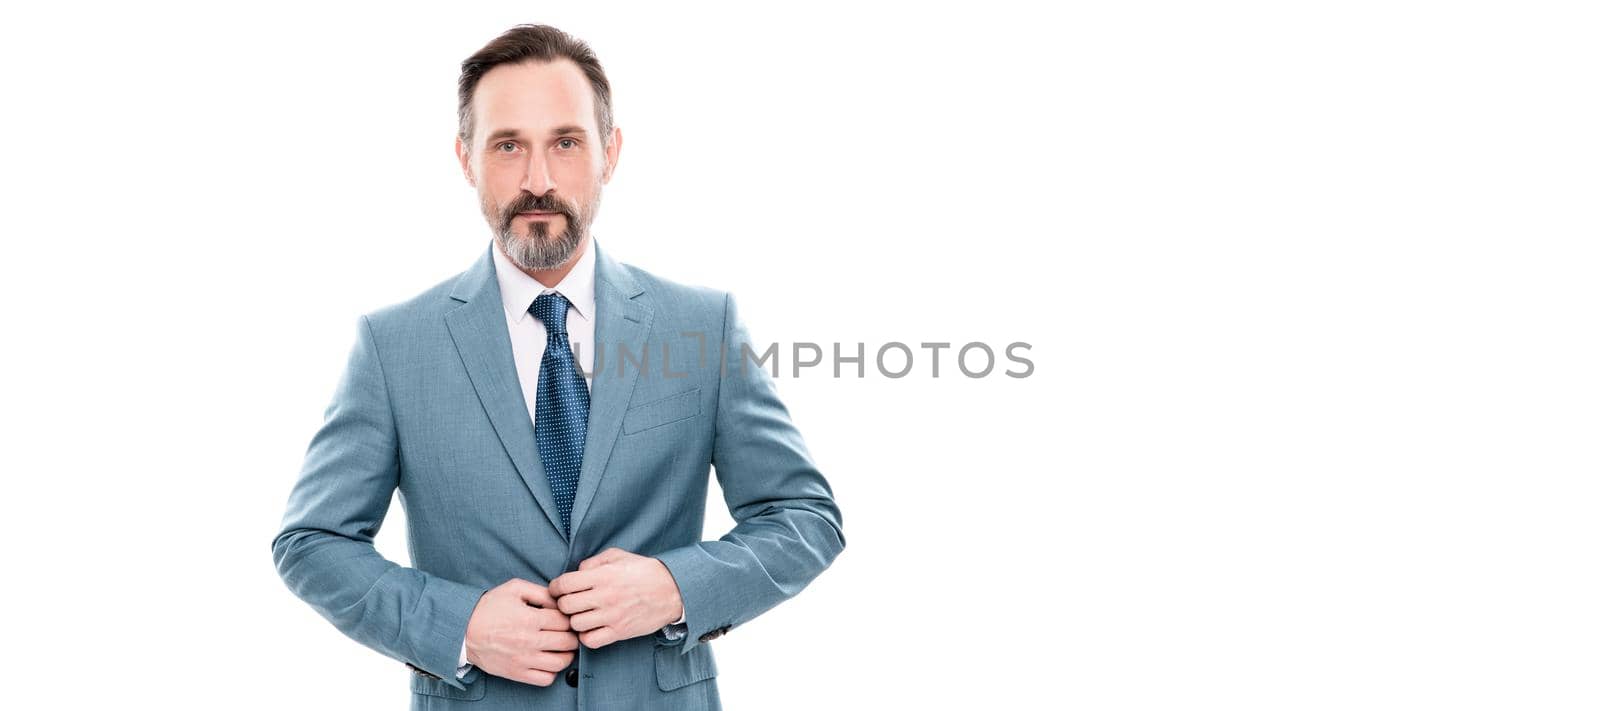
(675, 631)
(463, 667)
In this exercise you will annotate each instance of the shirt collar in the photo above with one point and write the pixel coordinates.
(518, 290)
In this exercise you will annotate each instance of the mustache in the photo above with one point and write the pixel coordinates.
(527, 202)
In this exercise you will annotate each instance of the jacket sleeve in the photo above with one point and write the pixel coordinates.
(324, 551)
(788, 527)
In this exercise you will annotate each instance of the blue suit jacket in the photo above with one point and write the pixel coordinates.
(429, 404)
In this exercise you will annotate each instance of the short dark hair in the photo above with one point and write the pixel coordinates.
(533, 43)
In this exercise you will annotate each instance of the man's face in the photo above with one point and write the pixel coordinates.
(537, 160)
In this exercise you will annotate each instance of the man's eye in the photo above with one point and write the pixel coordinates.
(574, 144)
(503, 146)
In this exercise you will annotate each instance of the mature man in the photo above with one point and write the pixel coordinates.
(550, 417)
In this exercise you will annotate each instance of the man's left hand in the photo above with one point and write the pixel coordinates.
(617, 595)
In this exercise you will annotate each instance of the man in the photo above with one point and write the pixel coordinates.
(554, 518)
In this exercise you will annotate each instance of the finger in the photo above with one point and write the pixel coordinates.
(589, 620)
(606, 556)
(535, 594)
(556, 641)
(536, 677)
(568, 583)
(545, 661)
(575, 603)
(597, 638)
(553, 619)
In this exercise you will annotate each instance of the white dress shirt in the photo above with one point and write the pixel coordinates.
(528, 337)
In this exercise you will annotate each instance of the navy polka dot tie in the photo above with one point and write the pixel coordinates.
(561, 415)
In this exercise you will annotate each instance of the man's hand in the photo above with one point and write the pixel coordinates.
(510, 636)
(617, 595)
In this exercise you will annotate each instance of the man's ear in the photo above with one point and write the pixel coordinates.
(612, 152)
(464, 155)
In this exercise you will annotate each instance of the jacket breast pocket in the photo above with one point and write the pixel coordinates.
(665, 411)
(676, 668)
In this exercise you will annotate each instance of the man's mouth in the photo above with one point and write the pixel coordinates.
(538, 215)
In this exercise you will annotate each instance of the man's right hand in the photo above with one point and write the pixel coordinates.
(516, 632)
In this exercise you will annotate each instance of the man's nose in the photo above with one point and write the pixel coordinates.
(536, 179)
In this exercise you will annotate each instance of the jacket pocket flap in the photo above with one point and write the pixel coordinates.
(676, 668)
(667, 410)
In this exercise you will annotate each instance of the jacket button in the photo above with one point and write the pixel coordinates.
(420, 672)
(572, 677)
(713, 634)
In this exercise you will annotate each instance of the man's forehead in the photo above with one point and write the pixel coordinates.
(533, 96)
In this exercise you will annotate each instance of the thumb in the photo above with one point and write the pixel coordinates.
(536, 595)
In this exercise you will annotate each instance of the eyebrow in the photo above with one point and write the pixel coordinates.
(557, 131)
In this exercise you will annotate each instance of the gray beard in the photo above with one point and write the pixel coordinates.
(539, 251)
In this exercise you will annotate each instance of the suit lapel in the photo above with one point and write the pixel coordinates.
(478, 328)
(622, 321)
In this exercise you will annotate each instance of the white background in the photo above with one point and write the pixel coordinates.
(1311, 289)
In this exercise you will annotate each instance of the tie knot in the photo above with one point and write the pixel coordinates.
(551, 309)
